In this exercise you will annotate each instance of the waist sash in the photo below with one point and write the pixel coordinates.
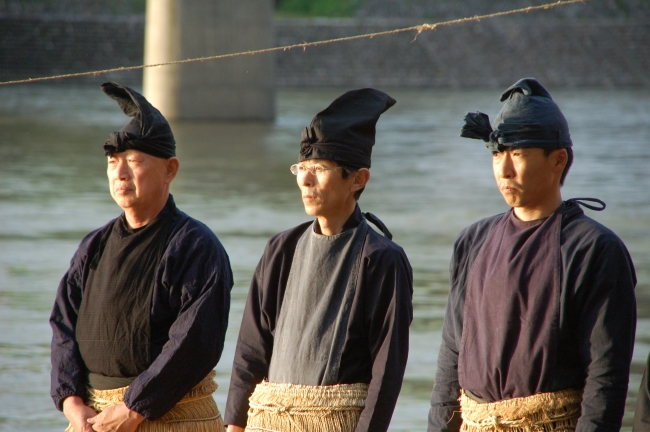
(552, 411)
(101, 382)
(196, 412)
(276, 407)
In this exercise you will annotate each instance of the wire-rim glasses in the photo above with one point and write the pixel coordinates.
(315, 169)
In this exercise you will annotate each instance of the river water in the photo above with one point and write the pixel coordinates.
(426, 185)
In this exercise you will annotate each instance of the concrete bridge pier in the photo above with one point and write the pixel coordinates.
(239, 88)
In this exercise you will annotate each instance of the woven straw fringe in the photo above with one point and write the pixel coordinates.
(298, 408)
(553, 411)
(196, 412)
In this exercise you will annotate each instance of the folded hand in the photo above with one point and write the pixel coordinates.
(117, 418)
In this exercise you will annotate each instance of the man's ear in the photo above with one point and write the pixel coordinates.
(360, 179)
(172, 165)
(560, 158)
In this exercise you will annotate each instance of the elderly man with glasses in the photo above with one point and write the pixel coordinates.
(324, 337)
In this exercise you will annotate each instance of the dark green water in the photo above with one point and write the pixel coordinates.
(426, 185)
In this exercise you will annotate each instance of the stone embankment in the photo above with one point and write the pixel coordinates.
(559, 51)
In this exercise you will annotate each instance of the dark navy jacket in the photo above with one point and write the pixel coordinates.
(597, 322)
(191, 289)
(377, 338)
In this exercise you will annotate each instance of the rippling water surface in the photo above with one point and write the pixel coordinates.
(426, 185)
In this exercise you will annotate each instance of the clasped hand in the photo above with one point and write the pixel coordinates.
(117, 418)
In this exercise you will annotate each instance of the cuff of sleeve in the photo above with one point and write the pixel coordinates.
(59, 398)
(140, 410)
(237, 420)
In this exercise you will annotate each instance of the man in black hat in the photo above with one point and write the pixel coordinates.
(140, 317)
(324, 336)
(541, 315)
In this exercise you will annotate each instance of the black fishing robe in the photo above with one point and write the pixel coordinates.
(188, 317)
(376, 342)
(596, 322)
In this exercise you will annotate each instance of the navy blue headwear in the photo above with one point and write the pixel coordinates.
(148, 132)
(529, 118)
(344, 132)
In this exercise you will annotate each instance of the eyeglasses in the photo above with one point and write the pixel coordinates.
(315, 169)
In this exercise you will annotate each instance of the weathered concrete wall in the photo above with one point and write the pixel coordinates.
(559, 52)
(489, 53)
(43, 45)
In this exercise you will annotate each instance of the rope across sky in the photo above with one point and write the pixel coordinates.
(418, 28)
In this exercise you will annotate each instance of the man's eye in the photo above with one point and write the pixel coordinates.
(318, 169)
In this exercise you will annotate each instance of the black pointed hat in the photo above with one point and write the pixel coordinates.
(344, 132)
(529, 118)
(148, 132)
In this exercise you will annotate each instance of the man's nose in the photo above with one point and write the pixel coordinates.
(123, 172)
(306, 178)
(504, 168)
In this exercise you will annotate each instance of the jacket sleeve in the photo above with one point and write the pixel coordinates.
(444, 414)
(255, 342)
(603, 278)
(390, 312)
(254, 346)
(68, 371)
(195, 271)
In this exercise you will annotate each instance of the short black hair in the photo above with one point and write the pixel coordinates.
(346, 170)
(569, 161)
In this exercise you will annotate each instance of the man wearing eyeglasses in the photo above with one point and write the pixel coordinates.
(324, 337)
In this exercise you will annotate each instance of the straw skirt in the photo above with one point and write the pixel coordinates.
(300, 408)
(553, 411)
(196, 412)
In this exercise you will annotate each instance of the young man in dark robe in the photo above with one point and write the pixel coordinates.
(324, 336)
(140, 317)
(540, 322)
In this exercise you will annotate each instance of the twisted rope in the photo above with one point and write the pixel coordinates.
(552, 411)
(418, 28)
(301, 408)
(280, 409)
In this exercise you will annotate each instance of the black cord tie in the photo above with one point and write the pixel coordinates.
(375, 220)
(582, 202)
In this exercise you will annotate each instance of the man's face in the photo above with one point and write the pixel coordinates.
(526, 177)
(137, 180)
(325, 194)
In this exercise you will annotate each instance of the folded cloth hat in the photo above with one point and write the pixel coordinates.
(147, 132)
(344, 132)
(529, 118)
